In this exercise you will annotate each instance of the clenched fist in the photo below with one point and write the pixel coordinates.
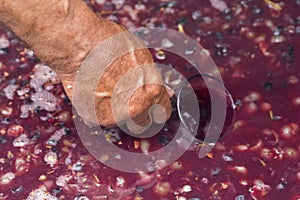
(67, 36)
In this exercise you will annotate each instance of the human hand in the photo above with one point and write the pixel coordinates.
(64, 33)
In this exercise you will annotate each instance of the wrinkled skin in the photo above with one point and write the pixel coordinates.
(62, 33)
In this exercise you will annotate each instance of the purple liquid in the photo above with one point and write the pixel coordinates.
(205, 107)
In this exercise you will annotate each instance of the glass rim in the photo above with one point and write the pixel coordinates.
(180, 91)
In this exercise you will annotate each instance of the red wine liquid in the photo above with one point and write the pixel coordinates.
(205, 107)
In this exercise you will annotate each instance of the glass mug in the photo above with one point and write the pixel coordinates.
(195, 104)
(202, 85)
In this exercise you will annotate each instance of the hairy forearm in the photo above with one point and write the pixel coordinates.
(60, 32)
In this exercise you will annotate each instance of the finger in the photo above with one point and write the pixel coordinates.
(158, 114)
(161, 112)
